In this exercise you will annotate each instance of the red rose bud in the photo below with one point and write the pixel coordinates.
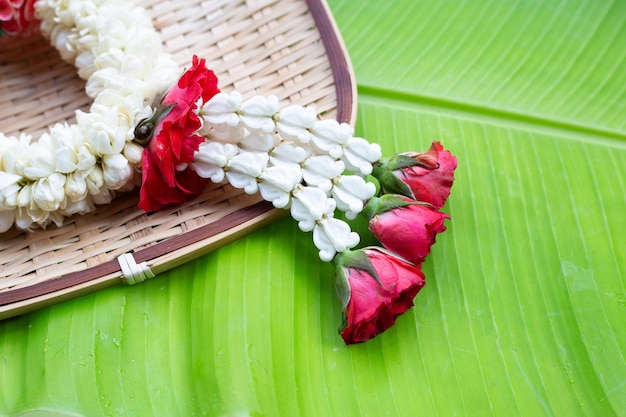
(425, 176)
(172, 141)
(17, 16)
(404, 226)
(375, 287)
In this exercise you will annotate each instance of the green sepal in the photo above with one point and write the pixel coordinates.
(404, 161)
(390, 183)
(386, 202)
(357, 259)
(401, 161)
(145, 128)
(342, 286)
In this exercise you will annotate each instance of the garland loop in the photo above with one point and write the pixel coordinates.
(172, 134)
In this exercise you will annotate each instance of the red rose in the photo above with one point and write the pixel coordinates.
(375, 287)
(17, 16)
(425, 176)
(404, 226)
(166, 178)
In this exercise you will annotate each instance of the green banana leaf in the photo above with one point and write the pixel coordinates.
(524, 311)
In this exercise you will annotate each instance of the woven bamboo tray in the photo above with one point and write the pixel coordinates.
(289, 48)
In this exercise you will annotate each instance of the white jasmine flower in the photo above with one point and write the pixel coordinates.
(7, 145)
(49, 193)
(112, 59)
(309, 205)
(75, 188)
(257, 113)
(7, 219)
(296, 122)
(60, 38)
(66, 159)
(116, 171)
(95, 180)
(318, 171)
(40, 160)
(351, 192)
(24, 196)
(244, 168)
(223, 133)
(24, 218)
(81, 207)
(86, 65)
(102, 132)
(332, 235)
(54, 216)
(164, 73)
(132, 152)
(359, 155)
(222, 108)
(259, 142)
(211, 158)
(140, 52)
(129, 107)
(86, 159)
(286, 153)
(329, 136)
(120, 24)
(112, 79)
(10, 147)
(105, 196)
(9, 188)
(277, 182)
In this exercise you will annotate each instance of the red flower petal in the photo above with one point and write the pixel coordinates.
(430, 185)
(166, 178)
(408, 231)
(375, 302)
(17, 16)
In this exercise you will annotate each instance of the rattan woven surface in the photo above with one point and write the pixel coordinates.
(255, 47)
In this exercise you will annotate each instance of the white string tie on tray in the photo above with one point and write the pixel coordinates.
(133, 272)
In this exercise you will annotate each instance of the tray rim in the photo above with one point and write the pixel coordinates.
(177, 250)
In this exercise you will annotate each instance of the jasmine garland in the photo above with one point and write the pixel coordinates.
(193, 134)
(71, 168)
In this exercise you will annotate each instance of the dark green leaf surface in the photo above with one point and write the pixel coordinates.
(524, 309)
